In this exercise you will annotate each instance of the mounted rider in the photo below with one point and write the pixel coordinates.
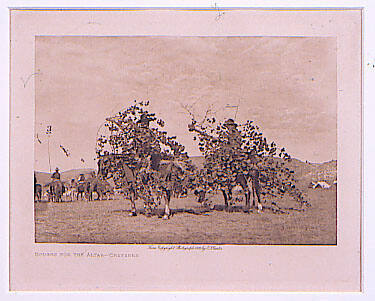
(81, 178)
(56, 185)
(56, 175)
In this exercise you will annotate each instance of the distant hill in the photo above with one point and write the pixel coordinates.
(326, 171)
(74, 173)
(43, 177)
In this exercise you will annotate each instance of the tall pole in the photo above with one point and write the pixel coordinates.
(48, 133)
(49, 156)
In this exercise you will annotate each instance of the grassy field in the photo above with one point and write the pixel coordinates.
(108, 222)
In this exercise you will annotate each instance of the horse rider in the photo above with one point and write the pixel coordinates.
(55, 178)
(81, 178)
(56, 175)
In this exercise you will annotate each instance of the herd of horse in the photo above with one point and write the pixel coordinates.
(165, 175)
(160, 183)
(80, 190)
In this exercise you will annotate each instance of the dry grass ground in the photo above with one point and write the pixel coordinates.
(108, 222)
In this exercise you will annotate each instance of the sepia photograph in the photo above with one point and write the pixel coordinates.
(190, 150)
(185, 140)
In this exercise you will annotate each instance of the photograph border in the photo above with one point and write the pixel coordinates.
(151, 9)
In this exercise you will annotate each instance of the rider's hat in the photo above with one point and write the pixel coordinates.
(230, 122)
(144, 120)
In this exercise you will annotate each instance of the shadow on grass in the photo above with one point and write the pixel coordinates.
(159, 212)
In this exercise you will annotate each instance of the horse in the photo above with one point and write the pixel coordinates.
(170, 173)
(70, 194)
(37, 192)
(111, 164)
(101, 187)
(57, 189)
(82, 190)
(250, 185)
(158, 180)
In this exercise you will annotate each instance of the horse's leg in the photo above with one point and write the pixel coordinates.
(132, 201)
(89, 194)
(225, 197)
(256, 196)
(51, 193)
(257, 192)
(202, 197)
(248, 192)
(59, 194)
(54, 196)
(247, 197)
(229, 193)
(167, 198)
(253, 194)
(245, 187)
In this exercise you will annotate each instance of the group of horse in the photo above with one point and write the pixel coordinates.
(164, 181)
(58, 191)
(168, 177)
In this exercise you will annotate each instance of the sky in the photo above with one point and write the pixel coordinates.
(286, 85)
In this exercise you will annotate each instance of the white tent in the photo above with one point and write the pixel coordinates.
(320, 184)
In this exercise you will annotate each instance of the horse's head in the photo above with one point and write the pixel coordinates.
(104, 164)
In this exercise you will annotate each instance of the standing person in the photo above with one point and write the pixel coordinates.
(73, 189)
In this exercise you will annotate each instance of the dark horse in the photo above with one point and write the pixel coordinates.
(37, 192)
(99, 186)
(250, 184)
(82, 189)
(163, 176)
